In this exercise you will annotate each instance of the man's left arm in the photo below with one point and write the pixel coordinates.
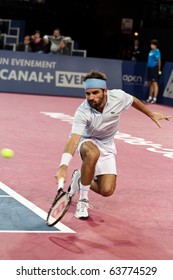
(155, 116)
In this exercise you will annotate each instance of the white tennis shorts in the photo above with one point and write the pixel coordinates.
(106, 163)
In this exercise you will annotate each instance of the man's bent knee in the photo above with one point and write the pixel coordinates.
(107, 191)
(107, 184)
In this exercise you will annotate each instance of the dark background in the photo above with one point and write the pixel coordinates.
(96, 24)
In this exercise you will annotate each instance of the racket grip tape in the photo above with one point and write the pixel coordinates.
(61, 183)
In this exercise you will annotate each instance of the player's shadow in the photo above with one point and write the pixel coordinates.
(74, 244)
(102, 235)
(113, 238)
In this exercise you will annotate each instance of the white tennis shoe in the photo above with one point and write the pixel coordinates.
(74, 186)
(82, 209)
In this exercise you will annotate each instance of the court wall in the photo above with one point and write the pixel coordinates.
(49, 74)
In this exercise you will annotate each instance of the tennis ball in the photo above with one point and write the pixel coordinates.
(7, 153)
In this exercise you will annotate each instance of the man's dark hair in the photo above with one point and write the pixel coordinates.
(96, 75)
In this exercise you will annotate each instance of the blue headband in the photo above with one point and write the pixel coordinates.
(94, 83)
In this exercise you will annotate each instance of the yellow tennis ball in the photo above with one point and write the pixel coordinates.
(7, 153)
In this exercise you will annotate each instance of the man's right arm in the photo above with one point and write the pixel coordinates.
(67, 155)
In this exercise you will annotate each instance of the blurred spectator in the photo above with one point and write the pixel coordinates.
(63, 48)
(135, 53)
(46, 44)
(55, 40)
(25, 46)
(37, 42)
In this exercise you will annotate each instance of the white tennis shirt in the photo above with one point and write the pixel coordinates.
(89, 123)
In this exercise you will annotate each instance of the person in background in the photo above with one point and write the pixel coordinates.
(55, 40)
(63, 48)
(37, 42)
(153, 71)
(95, 123)
(135, 50)
(25, 46)
(46, 44)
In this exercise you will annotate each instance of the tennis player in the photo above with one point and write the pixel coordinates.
(95, 124)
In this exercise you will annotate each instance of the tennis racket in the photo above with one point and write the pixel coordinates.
(59, 206)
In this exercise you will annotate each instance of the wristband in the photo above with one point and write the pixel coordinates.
(65, 159)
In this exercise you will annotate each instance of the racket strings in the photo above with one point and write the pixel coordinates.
(59, 208)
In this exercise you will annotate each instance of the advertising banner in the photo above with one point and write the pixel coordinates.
(134, 79)
(52, 74)
(166, 84)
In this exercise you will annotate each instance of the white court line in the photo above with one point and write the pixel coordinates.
(61, 227)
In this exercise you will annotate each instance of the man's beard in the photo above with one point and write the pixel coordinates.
(95, 105)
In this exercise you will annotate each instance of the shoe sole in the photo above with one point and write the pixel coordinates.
(82, 218)
(69, 189)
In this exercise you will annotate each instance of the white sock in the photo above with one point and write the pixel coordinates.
(150, 97)
(84, 191)
(154, 98)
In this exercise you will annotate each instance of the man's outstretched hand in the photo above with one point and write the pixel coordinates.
(156, 117)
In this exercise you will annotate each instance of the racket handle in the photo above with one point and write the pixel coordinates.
(60, 183)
